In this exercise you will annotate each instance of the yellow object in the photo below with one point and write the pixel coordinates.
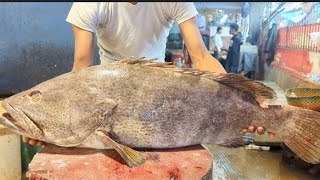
(307, 98)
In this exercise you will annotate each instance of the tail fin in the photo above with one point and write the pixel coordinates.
(302, 135)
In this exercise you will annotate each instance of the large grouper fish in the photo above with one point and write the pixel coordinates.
(141, 104)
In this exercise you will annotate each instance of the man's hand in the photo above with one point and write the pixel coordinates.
(201, 58)
(33, 142)
(223, 53)
(225, 50)
(260, 130)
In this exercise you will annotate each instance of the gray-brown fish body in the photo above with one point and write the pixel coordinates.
(144, 106)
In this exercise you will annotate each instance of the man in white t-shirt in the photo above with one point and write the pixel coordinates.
(135, 29)
(218, 44)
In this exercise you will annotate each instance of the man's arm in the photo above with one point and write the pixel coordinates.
(83, 48)
(199, 54)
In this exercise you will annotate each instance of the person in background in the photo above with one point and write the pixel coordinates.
(241, 36)
(233, 56)
(201, 21)
(218, 45)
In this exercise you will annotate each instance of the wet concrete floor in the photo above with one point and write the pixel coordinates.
(241, 163)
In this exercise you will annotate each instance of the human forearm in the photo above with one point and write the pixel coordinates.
(83, 49)
(223, 49)
(201, 58)
(81, 62)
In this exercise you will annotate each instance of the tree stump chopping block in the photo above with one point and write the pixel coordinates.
(55, 162)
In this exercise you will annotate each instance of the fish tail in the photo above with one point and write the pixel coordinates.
(301, 133)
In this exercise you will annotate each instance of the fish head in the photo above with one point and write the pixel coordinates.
(57, 111)
(32, 112)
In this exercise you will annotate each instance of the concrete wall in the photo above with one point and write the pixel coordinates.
(256, 15)
(285, 80)
(36, 43)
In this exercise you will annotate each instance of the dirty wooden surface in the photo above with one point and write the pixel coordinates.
(77, 163)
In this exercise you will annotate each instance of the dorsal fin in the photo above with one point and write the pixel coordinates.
(260, 92)
(148, 62)
(133, 60)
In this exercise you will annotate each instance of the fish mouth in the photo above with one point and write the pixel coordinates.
(7, 120)
(18, 120)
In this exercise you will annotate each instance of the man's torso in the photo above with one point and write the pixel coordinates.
(133, 30)
(124, 29)
(234, 51)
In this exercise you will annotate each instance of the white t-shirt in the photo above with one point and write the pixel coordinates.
(124, 29)
(218, 42)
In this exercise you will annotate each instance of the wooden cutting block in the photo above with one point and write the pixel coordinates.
(55, 162)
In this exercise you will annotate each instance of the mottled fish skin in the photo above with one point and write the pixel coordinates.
(142, 107)
(161, 109)
(139, 106)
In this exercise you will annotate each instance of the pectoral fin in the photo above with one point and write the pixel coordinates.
(132, 157)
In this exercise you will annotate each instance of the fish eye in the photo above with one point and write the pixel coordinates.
(35, 95)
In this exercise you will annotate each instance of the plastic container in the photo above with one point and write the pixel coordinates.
(304, 97)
